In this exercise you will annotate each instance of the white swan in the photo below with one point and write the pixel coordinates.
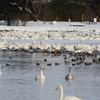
(69, 76)
(67, 97)
(41, 76)
(0, 70)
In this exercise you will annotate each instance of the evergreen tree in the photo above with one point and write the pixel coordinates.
(65, 9)
(8, 8)
(97, 9)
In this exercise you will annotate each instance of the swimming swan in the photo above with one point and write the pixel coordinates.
(67, 97)
(41, 76)
(0, 70)
(69, 76)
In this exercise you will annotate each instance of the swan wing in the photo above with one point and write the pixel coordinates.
(71, 98)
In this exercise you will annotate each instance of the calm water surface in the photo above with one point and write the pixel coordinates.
(17, 81)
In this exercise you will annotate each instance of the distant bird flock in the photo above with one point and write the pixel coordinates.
(49, 35)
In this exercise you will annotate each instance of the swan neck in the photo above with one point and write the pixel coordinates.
(70, 72)
(41, 72)
(61, 94)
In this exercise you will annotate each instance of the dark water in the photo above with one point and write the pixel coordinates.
(17, 81)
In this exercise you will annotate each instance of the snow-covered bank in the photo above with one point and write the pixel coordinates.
(40, 26)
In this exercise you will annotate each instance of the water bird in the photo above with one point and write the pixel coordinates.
(7, 64)
(78, 59)
(45, 59)
(64, 55)
(69, 76)
(65, 58)
(67, 97)
(73, 64)
(79, 63)
(57, 63)
(10, 57)
(95, 61)
(49, 64)
(41, 76)
(73, 60)
(87, 64)
(37, 64)
(66, 62)
(0, 70)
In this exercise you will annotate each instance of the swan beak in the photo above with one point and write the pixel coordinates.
(56, 89)
(42, 68)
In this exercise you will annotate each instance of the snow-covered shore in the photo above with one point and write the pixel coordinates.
(40, 26)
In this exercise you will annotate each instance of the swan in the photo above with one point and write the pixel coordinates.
(69, 76)
(67, 97)
(0, 70)
(41, 76)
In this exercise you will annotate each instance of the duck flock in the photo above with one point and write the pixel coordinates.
(7, 40)
(70, 59)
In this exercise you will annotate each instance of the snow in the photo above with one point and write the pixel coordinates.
(40, 26)
(54, 36)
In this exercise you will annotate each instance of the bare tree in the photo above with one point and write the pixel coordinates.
(45, 5)
(33, 7)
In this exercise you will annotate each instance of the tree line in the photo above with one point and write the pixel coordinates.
(47, 10)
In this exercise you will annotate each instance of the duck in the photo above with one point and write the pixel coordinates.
(67, 62)
(49, 64)
(69, 76)
(37, 64)
(41, 75)
(66, 97)
(45, 59)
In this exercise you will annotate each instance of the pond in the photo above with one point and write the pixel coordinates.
(19, 69)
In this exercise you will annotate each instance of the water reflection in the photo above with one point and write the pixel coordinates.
(40, 81)
(70, 81)
(0, 70)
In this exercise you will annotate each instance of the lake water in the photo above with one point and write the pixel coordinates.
(17, 81)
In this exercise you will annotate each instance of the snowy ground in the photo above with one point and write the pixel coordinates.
(40, 26)
(55, 36)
